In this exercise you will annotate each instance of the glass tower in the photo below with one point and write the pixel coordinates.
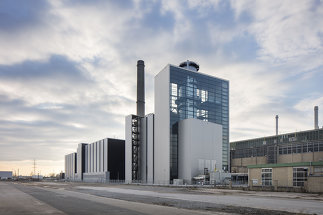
(200, 96)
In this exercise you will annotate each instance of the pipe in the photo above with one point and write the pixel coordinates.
(316, 117)
(276, 125)
(140, 88)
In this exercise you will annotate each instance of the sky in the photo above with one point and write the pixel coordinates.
(68, 67)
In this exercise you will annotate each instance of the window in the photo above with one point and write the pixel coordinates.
(299, 176)
(266, 176)
(318, 170)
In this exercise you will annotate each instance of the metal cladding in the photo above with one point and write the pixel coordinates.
(316, 117)
(276, 124)
(141, 88)
(190, 65)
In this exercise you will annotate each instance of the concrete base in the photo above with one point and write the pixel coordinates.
(100, 177)
(178, 182)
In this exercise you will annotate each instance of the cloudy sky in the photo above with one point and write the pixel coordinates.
(68, 67)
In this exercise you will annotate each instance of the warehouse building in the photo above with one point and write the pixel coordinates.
(187, 134)
(100, 161)
(5, 175)
(284, 160)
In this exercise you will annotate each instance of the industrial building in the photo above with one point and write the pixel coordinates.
(4, 175)
(282, 160)
(100, 161)
(187, 134)
(70, 166)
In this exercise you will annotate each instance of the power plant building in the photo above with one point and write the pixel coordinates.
(187, 136)
(155, 143)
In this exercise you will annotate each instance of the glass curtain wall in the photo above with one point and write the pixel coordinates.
(194, 95)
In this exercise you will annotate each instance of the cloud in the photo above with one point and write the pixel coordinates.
(68, 67)
(28, 14)
(286, 31)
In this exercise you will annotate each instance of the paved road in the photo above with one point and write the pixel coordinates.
(27, 199)
(82, 198)
(262, 200)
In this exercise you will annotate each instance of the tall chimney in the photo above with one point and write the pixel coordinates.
(316, 117)
(140, 88)
(276, 125)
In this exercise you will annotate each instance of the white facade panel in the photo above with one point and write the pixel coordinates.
(101, 155)
(78, 176)
(199, 147)
(86, 159)
(105, 161)
(95, 160)
(162, 131)
(92, 157)
(150, 148)
(143, 150)
(128, 150)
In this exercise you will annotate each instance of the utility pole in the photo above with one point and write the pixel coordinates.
(34, 167)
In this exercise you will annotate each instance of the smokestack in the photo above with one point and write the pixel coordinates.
(140, 88)
(276, 125)
(316, 117)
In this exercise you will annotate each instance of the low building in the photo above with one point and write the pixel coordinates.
(100, 161)
(4, 175)
(285, 160)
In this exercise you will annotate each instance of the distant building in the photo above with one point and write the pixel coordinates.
(101, 161)
(4, 175)
(70, 166)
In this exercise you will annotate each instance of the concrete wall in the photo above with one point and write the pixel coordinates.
(282, 175)
(240, 164)
(300, 157)
(239, 169)
(248, 161)
(254, 174)
(314, 184)
(98, 177)
(199, 147)
(162, 130)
